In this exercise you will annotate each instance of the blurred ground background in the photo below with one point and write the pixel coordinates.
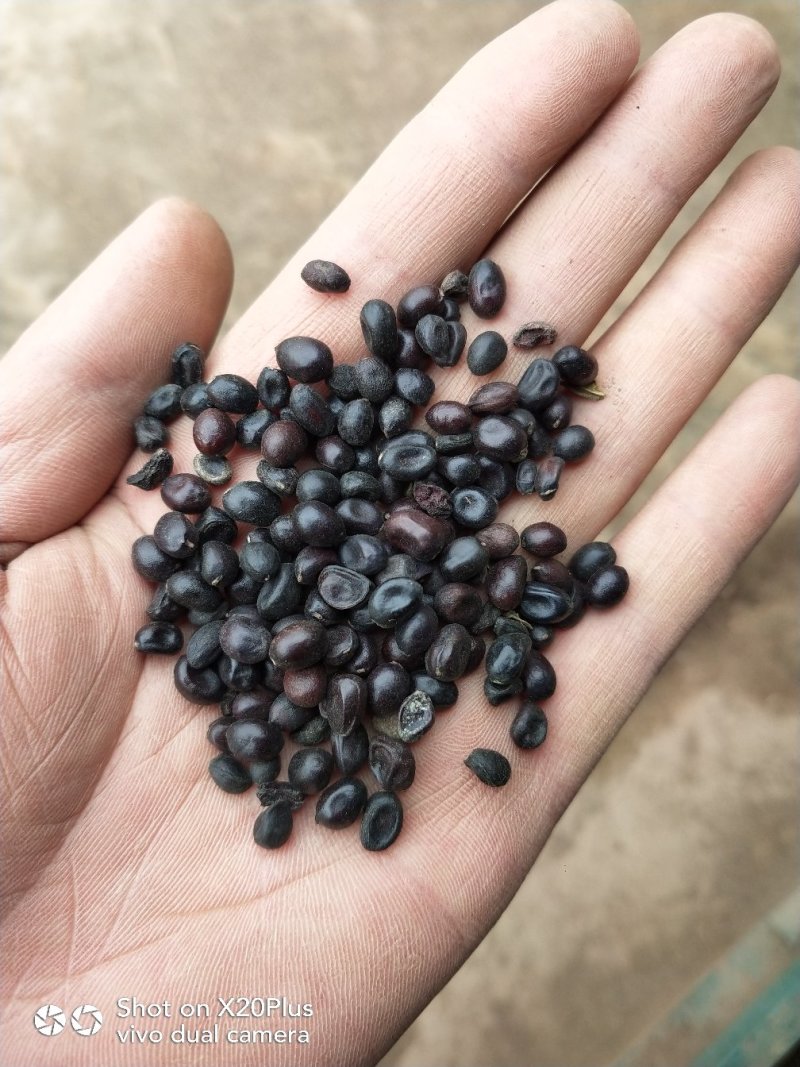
(265, 113)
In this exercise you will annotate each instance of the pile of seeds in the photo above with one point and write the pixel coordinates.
(373, 574)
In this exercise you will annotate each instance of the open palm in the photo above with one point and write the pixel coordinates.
(127, 871)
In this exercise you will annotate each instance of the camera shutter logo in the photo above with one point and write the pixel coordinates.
(86, 1020)
(49, 1020)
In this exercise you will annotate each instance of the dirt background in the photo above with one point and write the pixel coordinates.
(266, 113)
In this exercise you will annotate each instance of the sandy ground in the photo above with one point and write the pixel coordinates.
(266, 112)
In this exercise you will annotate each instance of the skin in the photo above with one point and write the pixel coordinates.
(111, 824)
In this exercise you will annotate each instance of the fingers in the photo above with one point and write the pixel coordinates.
(446, 183)
(74, 381)
(665, 353)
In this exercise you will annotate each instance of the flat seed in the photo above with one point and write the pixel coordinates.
(455, 285)
(392, 762)
(381, 822)
(153, 472)
(343, 589)
(214, 470)
(533, 334)
(150, 433)
(276, 792)
(490, 766)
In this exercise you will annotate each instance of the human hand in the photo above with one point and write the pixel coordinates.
(111, 821)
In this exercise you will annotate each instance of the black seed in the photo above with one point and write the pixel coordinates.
(279, 480)
(497, 477)
(162, 608)
(175, 535)
(379, 327)
(264, 772)
(360, 484)
(486, 352)
(543, 539)
(310, 770)
(356, 421)
(498, 694)
(458, 602)
(203, 648)
(187, 365)
(409, 354)
(473, 507)
(557, 414)
(229, 774)
(350, 751)
(501, 438)
(153, 472)
(394, 600)
(164, 402)
(342, 645)
(490, 766)
(231, 392)
(199, 686)
(334, 454)
(342, 382)
(420, 535)
(416, 303)
(311, 411)
(575, 366)
(533, 334)
(392, 762)
(486, 289)
(342, 588)
(539, 677)
(538, 384)
(407, 462)
(251, 502)
(433, 336)
(260, 560)
(345, 702)
(219, 564)
(280, 595)
(325, 276)
(158, 637)
(544, 604)
(254, 739)
(414, 718)
(314, 732)
(395, 416)
(573, 443)
(245, 639)
(273, 827)
(607, 586)
(150, 562)
(453, 443)
(462, 559)
(273, 389)
(413, 385)
(552, 572)
(289, 716)
(341, 803)
(216, 732)
(195, 399)
(460, 471)
(443, 694)
(299, 645)
(214, 525)
(529, 728)
(591, 558)
(548, 474)
(388, 685)
(310, 562)
(374, 379)
(214, 470)
(150, 433)
(526, 475)
(450, 310)
(318, 524)
(318, 485)
(304, 358)
(505, 657)
(415, 634)
(185, 492)
(381, 822)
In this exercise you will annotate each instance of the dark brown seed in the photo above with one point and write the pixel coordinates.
(325, 276)
(543, 539)
(547, 476)
(350, 751)
(494, 398)
(176, 535)
(498, 540)
(185, 492)
(532, 334)
(273, 792)
(392, 762)
(244, 639)
(419, 535)
(505, 582)
(305, 359)
(214, 432)
(387, 687)
(490, 766)
(283, 443)
(153, 472)
(458, 602)
(273, 827)
(310, 409)
(448, 656)
(381, 822)
(187, 365)
(342, 588)
(301, 644)
(341, 803)
(455, 285)
(432, 499)
(449, 417)
(557, 414)
(486, 289)
(306, 687)
(416, 303)
(553, 572)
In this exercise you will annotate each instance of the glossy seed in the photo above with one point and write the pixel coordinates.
(486, 289)
(533, 334)
(198, 686)
(394, 600)
(186, 365)
(413, 385)
(176, 535)
(350, 751)
(203, 648)
(473, 507)
(341, 803)
(305, 359)
(251, 502)
(164, 402)
(543, 539)
(325, 276)
(538, 384)
(283, 443)
(254, 739)
(525, 478)
(591, 558)
(416, 303)
(539, 677)
(544, 604)
(501, 438)
(345, 702)
(573, 443)
(273, 827)
(310, 770)
(487, 352)
(379, 327)
(214, 432)
(548, 474)
(494, 398)
(449, 417)
(301, 644)
(195, 399)
(432, 336)
(449, 653)
(381, 822)
(607, 586)
(490, 766)
(499, 694)
(153, 472)
(245, 639)
(505, 657)
(575, 365)
(150, 562)
(231, 392)
(185, 492)
(162, 638)
(557, 414)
